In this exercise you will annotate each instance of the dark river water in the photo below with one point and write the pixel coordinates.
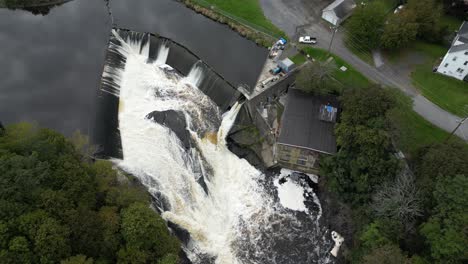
(50, 66)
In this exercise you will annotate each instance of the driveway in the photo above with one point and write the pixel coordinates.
(298, 17)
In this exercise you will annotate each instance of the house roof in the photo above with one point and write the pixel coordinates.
(463, 31)
(287, 62)
(459, 47)
(462, 36)
(301, 125)
(341, 8)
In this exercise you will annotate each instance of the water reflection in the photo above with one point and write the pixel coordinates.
(51, 65)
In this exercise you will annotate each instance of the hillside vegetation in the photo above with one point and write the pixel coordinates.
(57, 206)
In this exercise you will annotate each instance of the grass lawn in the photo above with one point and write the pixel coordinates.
(412, 130)
(432, 51)
(448, 93)
(298, 59)
(249, 10)
(350, 77)
(451, 22)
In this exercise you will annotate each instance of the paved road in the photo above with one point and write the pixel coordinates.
(297, 17)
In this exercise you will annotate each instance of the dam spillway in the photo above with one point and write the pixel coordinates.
(172, 130)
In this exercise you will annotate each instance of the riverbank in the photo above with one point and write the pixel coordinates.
(248, 31)
(12, 4)
(36, 7)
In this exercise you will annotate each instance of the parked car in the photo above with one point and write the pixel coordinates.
(308, 40)
(275, 71)
(269, 80)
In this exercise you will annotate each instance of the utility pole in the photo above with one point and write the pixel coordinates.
(456, 128)
(335, 29)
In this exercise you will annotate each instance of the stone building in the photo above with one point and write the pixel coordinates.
(306, 131)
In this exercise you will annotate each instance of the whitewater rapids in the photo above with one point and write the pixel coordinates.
(229, 222)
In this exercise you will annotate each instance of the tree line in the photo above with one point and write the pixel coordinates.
(402, 213)
(372, 26)
(58, 206)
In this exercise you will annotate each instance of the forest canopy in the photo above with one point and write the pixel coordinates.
(58, 206)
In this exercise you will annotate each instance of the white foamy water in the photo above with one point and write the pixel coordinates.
(163, 53)
(234, 220)
(156, 156)
(195, 76)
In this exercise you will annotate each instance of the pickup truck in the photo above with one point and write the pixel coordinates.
(269, 80)
(308, 40)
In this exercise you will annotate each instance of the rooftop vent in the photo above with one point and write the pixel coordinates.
(328, 113)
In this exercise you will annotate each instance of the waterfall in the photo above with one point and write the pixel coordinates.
(163, 52)
(236, 219)
(228, 121)
(195, 76)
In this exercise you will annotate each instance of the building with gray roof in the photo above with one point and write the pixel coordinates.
(338, 11)
(455, 62)
(306, 130)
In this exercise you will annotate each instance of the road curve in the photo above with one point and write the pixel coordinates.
(297, 17)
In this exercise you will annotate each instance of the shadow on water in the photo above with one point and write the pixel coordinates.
(180, 58)
(52, 64)
(40, 8)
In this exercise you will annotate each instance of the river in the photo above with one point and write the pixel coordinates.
(51, 65)
(234, 213)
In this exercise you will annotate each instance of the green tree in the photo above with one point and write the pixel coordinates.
(18, 252)
(365, 158)
(85, 231)
(78, 259)
(4, 235)
(144, 230)
(427, 14)
(82, 145)
(387, 254)
(445, 230)
(133, 255)
(400, 30)
(439, 159)
(169, 259)
(316, 78)
(110, 222)
(373, 236)
(457, 8)
(51, 242)
(365, 25)
(55, 204)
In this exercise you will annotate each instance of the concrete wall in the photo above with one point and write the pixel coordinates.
(452, 62)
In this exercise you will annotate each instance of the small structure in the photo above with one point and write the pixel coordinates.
(455, 62)
(338, 239)
(286, 65)
(338, 11)
(306, 131)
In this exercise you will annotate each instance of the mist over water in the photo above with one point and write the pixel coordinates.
(235, 217)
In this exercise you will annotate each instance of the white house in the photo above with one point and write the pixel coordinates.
(455, 62)
(338, 11)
